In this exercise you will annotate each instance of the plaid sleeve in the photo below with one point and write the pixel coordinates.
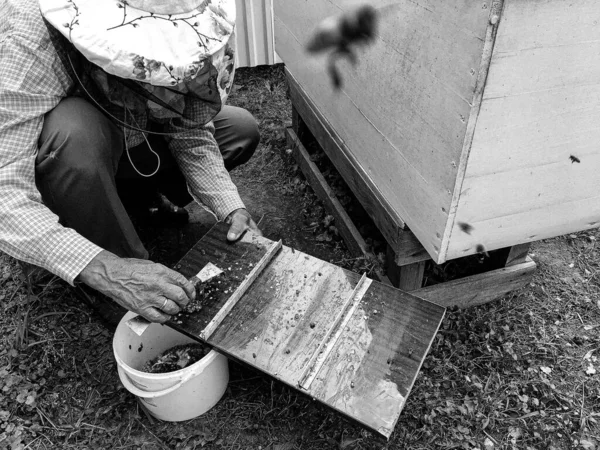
(29, 87)
(200, 161)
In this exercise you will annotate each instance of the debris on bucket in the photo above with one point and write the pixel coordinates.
(176, 358)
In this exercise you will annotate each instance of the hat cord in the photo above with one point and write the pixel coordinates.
(125, 110)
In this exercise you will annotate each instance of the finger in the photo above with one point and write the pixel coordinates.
(176, 294)
(168, 306)
(254, 228)
(154, 315)
(182, 282)
(239, 225)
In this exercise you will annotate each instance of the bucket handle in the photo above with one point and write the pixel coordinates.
(153, 394)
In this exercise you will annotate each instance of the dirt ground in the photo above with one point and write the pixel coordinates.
(518, 373)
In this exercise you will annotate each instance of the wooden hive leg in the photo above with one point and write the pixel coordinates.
(517, 254)
(406, 273)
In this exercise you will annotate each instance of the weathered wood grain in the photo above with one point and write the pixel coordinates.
(411, 276)
(285, 315)
(236, 260)
(285, 318)
(240, 290)
(373, 366)
(540, 107)
(336, 329)
(479, 289)
(403, 112)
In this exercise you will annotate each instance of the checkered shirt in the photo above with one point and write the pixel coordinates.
(32, 82)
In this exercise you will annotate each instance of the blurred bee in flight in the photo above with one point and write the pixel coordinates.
(340, 34)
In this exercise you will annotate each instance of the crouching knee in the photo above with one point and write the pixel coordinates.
(238, 136)
(78, 138)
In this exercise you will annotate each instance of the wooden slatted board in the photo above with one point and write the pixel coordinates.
(299, 323)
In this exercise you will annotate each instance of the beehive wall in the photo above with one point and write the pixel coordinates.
(404, 110)
(541, 106)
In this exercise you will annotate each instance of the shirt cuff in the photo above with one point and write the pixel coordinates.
(69, 254)
(232, 207)
(223, 208)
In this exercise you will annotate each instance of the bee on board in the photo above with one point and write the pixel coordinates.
(338, 35)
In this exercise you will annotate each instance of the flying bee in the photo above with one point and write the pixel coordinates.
(340, 34)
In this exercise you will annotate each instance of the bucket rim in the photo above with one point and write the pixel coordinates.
(202, 363)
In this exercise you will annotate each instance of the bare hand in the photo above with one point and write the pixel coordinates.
(240, 221)
(146, 288)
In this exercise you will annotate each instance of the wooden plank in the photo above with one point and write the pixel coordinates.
(285, 315)
(540, 107)
(404, 123)
(240, 290)
(518, 254)
(348, 231)
(237, 261)
(479, 289)
(373, 366)
(409, 250)
(355, 242)
(500, 232)
(389, 223)
(332, 336)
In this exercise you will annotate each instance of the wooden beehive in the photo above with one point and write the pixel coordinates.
(484, 113)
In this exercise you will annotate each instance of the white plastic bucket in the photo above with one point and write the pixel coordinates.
(174, 396)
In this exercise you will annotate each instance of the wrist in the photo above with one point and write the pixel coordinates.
(96, 270)
(230, 216)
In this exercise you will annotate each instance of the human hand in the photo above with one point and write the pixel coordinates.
(149, 289)
(240, 221)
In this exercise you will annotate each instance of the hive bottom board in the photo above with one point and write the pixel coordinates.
(351, 343)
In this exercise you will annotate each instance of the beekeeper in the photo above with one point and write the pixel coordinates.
(106, 99)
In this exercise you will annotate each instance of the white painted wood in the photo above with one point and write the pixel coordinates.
(455, 117)
(254, 33)
(404, 109)
(541, 106)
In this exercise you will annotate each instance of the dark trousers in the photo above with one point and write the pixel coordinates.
(84, 176)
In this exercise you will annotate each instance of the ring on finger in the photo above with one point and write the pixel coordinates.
(164, 304)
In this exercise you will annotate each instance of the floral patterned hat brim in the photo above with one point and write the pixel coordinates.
(163, 50)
